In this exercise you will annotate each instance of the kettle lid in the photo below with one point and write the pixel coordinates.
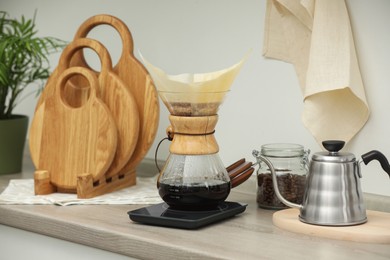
(333, 155)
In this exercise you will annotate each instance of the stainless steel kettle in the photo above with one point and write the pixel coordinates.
(333, 196)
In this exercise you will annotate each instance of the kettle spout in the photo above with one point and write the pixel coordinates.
(376, 155)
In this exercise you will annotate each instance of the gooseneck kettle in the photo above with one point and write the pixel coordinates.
(333, 196)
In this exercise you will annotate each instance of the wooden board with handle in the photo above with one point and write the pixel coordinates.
(66, 141)
(375, 230)
(111, 90)
(137, 80)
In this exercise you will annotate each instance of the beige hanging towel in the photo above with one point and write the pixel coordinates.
(316, 37)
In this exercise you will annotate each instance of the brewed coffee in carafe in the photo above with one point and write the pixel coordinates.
(194, 181)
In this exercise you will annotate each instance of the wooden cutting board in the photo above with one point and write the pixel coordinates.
(136, 79)
(111, 90)
(375, 230)
(67, 141)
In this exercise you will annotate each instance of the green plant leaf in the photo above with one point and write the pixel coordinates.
(23, 59)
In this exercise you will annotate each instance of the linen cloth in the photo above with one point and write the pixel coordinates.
(21, 191)
(316, 37)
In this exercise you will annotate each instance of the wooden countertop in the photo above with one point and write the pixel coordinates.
(250, 235)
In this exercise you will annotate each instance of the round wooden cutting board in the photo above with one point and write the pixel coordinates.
(111, 90)
(67, 141)
(375, 230)
(136, 79)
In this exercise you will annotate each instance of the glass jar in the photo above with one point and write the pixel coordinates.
(291, 165)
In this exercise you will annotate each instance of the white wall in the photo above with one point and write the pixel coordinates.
(265, 103)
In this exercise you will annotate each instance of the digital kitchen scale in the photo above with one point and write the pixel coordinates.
(162, 215)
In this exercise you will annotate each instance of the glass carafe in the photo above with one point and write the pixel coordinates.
(194, 181)
(193, 176)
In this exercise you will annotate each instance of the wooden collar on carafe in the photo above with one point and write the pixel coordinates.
(193, 135)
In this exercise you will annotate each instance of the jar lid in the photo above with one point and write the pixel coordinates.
(282, 150)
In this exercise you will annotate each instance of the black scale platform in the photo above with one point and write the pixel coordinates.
(162, 215)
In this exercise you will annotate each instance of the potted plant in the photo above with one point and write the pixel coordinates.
(24, 65)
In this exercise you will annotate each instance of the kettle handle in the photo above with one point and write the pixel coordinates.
(376, 155)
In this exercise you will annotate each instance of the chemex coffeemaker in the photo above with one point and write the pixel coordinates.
(193, 176)
(194, 179)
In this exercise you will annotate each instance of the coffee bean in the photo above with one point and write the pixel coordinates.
(291, 187)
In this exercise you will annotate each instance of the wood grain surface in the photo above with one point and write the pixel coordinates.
(193, 135)
(375, 230)
(250, 235)
(67, 141)
(111, 90)
(136, 79)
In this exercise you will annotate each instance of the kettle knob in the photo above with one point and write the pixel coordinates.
(333, 146)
